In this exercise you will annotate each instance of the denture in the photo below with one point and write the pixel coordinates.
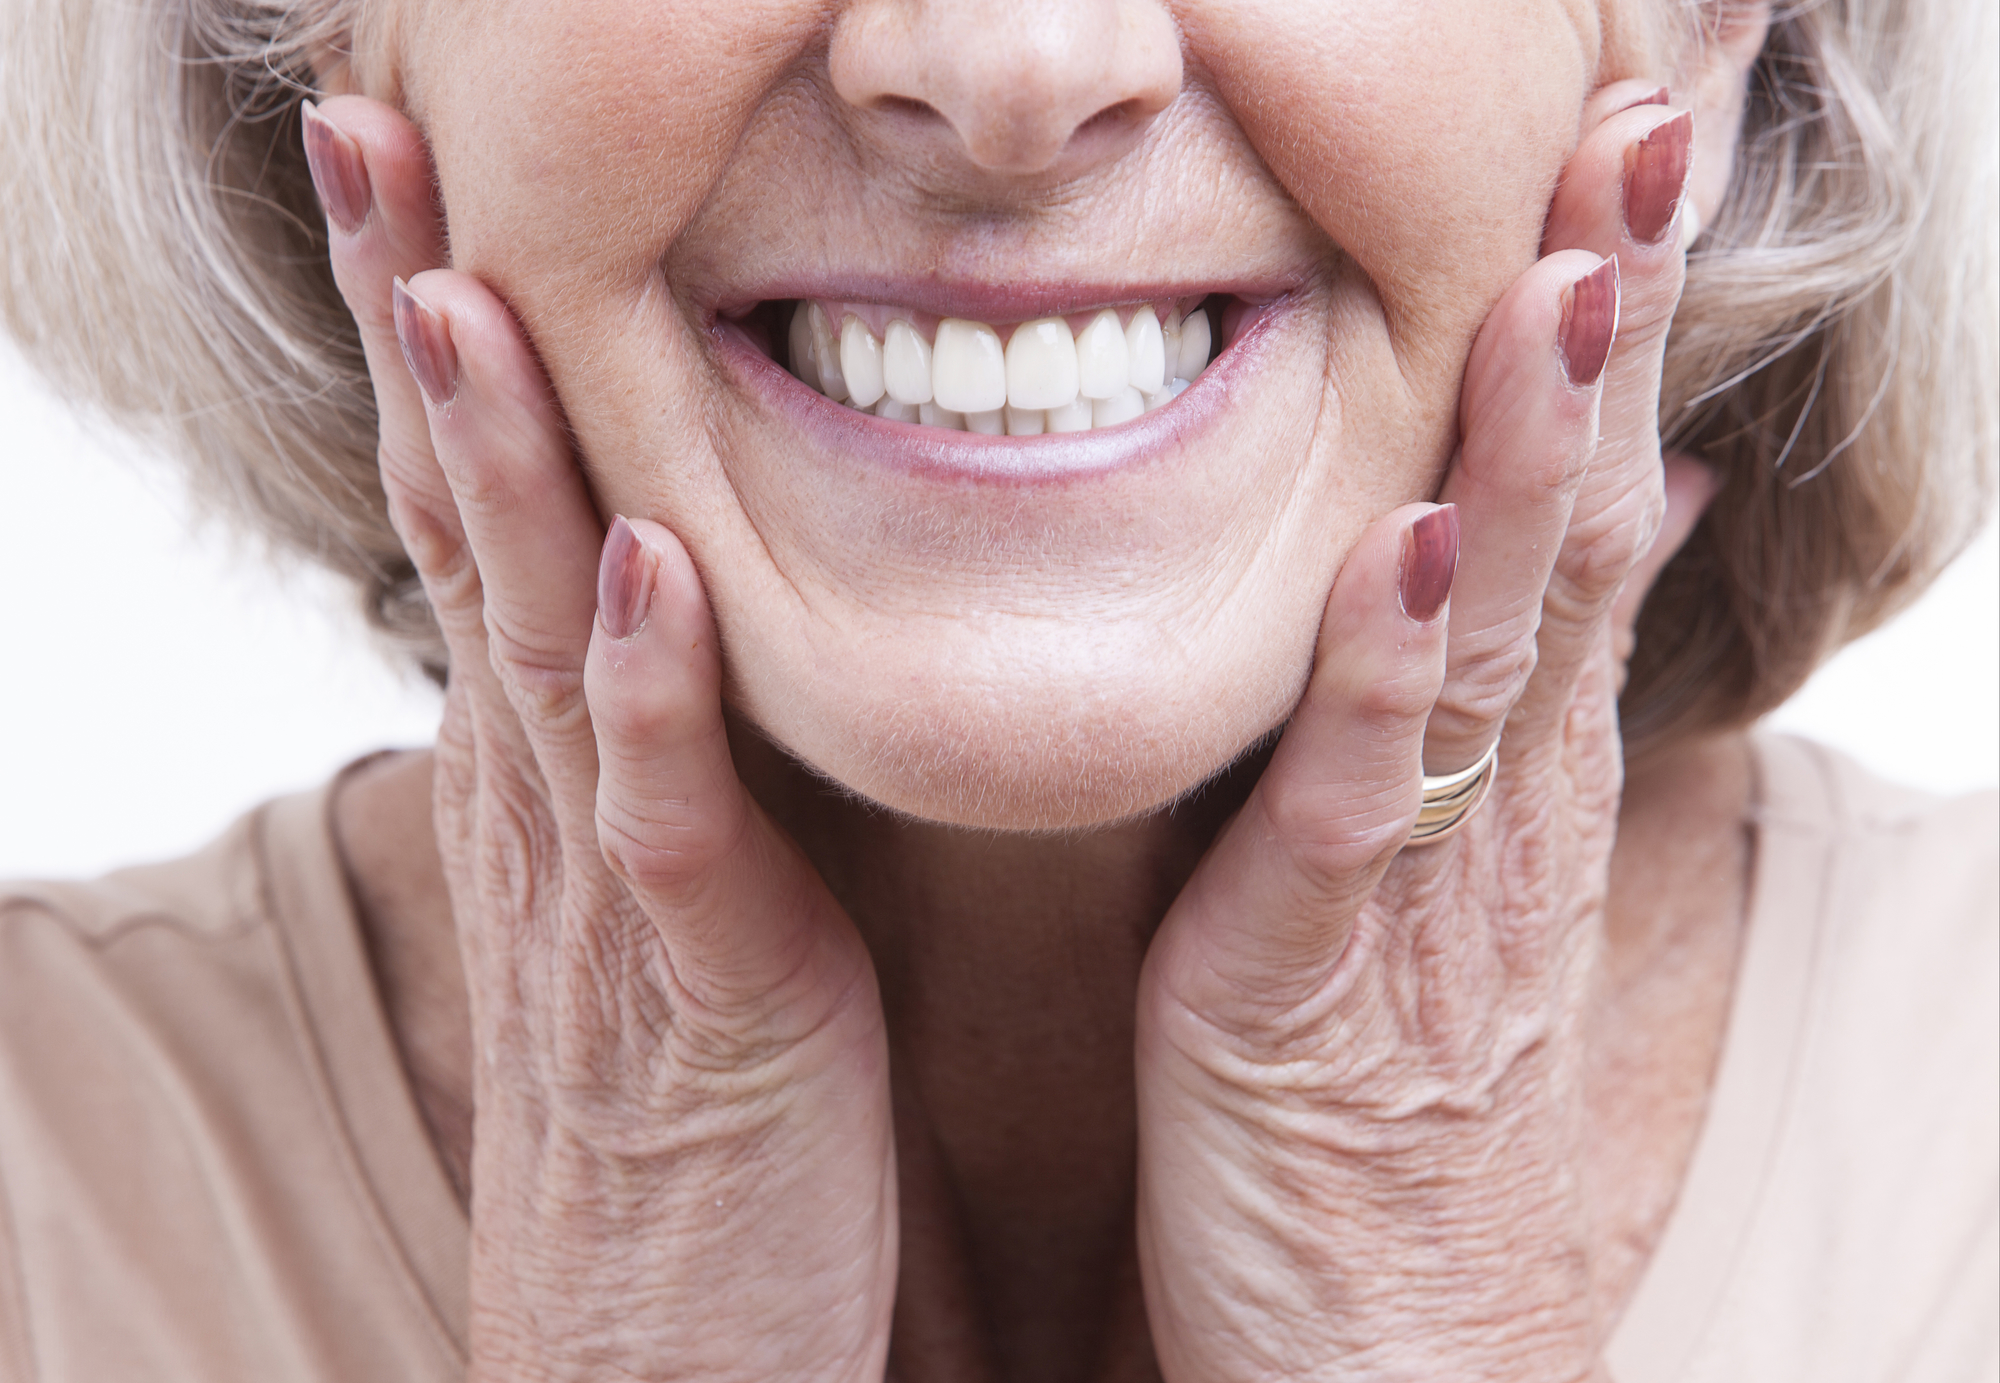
(1053, 374)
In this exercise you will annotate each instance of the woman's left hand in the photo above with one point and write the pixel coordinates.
(1360, 1064)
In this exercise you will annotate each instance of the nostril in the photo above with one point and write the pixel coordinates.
(908, 105)
(1113, 117)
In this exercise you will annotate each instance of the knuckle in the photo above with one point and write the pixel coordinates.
(482, 490)
(1336, 836)
(668, 848)
(1601, 562)
(1484, 687)
(543, 683)
(451, 580)
(408, 469)
(630, 716)
(1387, 708)
(1602, 551)
(1531, 470)
(415, 509)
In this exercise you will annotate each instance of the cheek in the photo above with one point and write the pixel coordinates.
(546, 117)
(1424, 139)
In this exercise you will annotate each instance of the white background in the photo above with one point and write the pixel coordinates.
(155, 680)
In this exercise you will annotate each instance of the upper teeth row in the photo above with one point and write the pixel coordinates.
(1044, 379)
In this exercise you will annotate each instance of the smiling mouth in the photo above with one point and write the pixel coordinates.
(1060, 374)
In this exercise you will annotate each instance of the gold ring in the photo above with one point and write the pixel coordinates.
(1449, 798)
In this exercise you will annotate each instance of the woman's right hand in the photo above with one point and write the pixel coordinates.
(682, 1160)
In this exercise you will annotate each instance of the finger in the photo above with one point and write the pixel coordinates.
(1270, 909)
(742, 914)
(1623, 195)
(373, 174)
(528, 520)
(1528, 417)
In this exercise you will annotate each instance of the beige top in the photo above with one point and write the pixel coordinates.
(212, 1168)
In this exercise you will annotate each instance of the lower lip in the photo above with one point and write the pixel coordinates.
(942, 455)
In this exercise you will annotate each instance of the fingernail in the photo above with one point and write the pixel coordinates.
(1430, 560)
(624, 588)
(1590, 320)
(339, 173)
(1656, 174)
(427, 347)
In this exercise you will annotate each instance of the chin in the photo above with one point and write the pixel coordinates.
(1028, 730)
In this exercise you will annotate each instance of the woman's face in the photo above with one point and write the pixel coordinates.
(1028, 631)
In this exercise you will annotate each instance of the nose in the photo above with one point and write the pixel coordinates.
(1013, 86)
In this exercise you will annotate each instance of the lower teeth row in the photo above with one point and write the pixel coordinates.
(1043, 379)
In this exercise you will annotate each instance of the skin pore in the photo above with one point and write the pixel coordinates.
(918, 642)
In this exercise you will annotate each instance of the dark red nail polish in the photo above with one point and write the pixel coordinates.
(624, 582)
(427, 347)
(1590, 321)
(1656, 174)
(1430, 561)
(339, 173)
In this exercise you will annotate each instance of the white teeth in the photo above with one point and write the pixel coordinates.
(1194, 346)
(800, 340)
(1043, 380)
(860, 362)
(1041, 365)
(826, 355)
(968, 367)
(1147, 348)
(906, 364)
(1073, 417)
(1102, 364)
(1122, 407)
(1025, 422)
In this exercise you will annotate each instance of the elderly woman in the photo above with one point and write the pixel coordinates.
(1087, 734)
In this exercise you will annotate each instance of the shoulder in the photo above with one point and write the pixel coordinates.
(96, 971)
(1895, 864)
(116, 994)
(1875, 1247)
(210, 894)
(200, 1110)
